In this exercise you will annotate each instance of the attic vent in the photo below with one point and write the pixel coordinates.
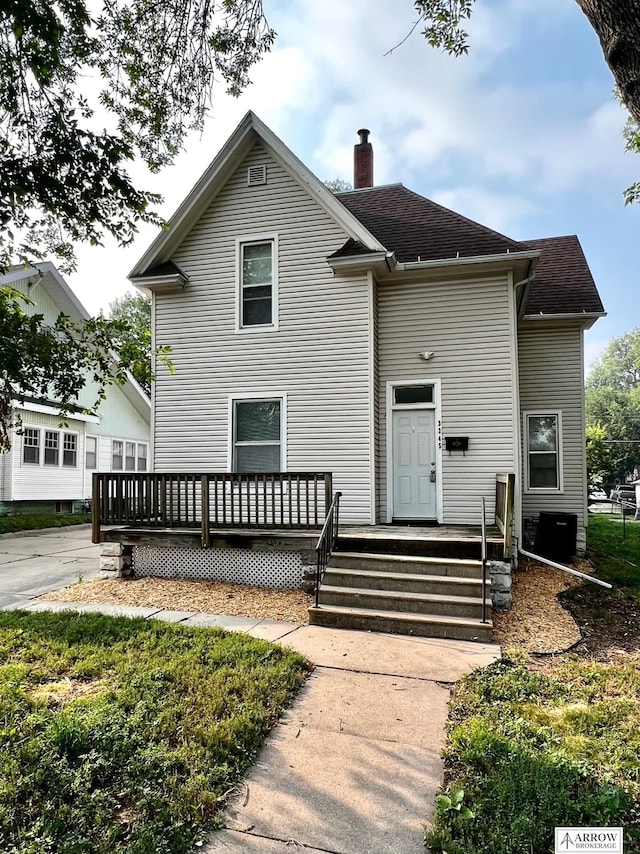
(257, 175)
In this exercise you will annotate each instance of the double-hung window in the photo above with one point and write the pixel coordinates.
(543, 450)
(257, 435)
(51, 448)
(257, 283)
(91, 452)
(69, 449)
(30, 445)
(117, 449)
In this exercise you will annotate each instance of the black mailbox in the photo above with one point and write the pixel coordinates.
(456, 443)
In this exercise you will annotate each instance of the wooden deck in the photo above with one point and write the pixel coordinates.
(438, 540)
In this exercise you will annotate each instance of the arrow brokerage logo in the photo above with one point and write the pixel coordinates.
(571, 840)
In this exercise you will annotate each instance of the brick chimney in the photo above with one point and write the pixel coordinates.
(363, 161)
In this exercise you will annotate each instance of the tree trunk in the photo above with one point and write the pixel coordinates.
(617, 25)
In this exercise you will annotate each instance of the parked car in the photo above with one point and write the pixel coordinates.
(625, 496)
(598, 495)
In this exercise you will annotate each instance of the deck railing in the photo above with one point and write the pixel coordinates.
(504, 509)
(267, 501)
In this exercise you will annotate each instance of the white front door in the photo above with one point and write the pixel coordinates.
(414, 464)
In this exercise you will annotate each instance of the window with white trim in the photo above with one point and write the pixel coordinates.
(142, 457)
(257, 286)
(130, 456)
(69, 449)
(91, 452)
(257, 435)
(117, 449)
(543, 456)
(51, 448)
(31, 445)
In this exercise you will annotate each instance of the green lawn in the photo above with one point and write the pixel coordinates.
(528, 751)
(615, 550)
(121, 735)
(33, 522)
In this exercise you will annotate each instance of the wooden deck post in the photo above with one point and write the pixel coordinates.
(204, 502)
(328, 492)
(95, 508)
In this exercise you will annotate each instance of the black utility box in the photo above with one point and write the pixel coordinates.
(556, 535)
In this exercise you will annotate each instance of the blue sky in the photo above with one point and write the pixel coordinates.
(522, 134)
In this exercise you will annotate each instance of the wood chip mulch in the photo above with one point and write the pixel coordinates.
(537, 622)
(211, 597)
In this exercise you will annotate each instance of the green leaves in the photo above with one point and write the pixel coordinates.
(61, 179)
(443, 23)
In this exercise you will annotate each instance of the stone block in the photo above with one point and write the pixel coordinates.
(111, 549)
(113, 563)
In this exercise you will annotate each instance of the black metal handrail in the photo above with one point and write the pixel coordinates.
(484, 563)
(327, 541)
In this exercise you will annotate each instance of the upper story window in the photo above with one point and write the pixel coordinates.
(257, 283)
(30, 445)
(543, 451)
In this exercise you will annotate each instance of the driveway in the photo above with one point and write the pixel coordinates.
(37, 562)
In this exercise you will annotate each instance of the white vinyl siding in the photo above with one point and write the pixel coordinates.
(52, 480)
(318, 357)
(466, 324)
(552, 380)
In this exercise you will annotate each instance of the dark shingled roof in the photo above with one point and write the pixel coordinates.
(563, 279)
(167, 268)
(416, 228)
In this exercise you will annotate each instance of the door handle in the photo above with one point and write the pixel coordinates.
(432, 477)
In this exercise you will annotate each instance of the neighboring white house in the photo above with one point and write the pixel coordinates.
(49, 467)
(409, 351)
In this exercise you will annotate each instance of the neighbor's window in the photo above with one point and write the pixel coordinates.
(116, 455)
(257, 435)
(130, 457)
(257, 292)
(69, 449)
(30, 445)
(543, 444)
(51, 448)
(91, 452)
(142, 457)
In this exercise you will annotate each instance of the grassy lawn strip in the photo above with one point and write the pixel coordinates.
(10, 524)
(125, 735)
(616, 551)
(531, 752)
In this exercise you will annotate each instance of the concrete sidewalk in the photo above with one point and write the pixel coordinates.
(354, 765)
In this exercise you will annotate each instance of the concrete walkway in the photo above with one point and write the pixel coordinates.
(354, 765)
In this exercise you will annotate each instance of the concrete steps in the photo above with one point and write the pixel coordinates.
(398, 622)
(404, 594)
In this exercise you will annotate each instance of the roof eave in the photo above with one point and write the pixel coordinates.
(586, 318)
(169, 284)
(381, 263)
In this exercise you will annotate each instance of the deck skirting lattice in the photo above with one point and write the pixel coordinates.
(262, 568)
